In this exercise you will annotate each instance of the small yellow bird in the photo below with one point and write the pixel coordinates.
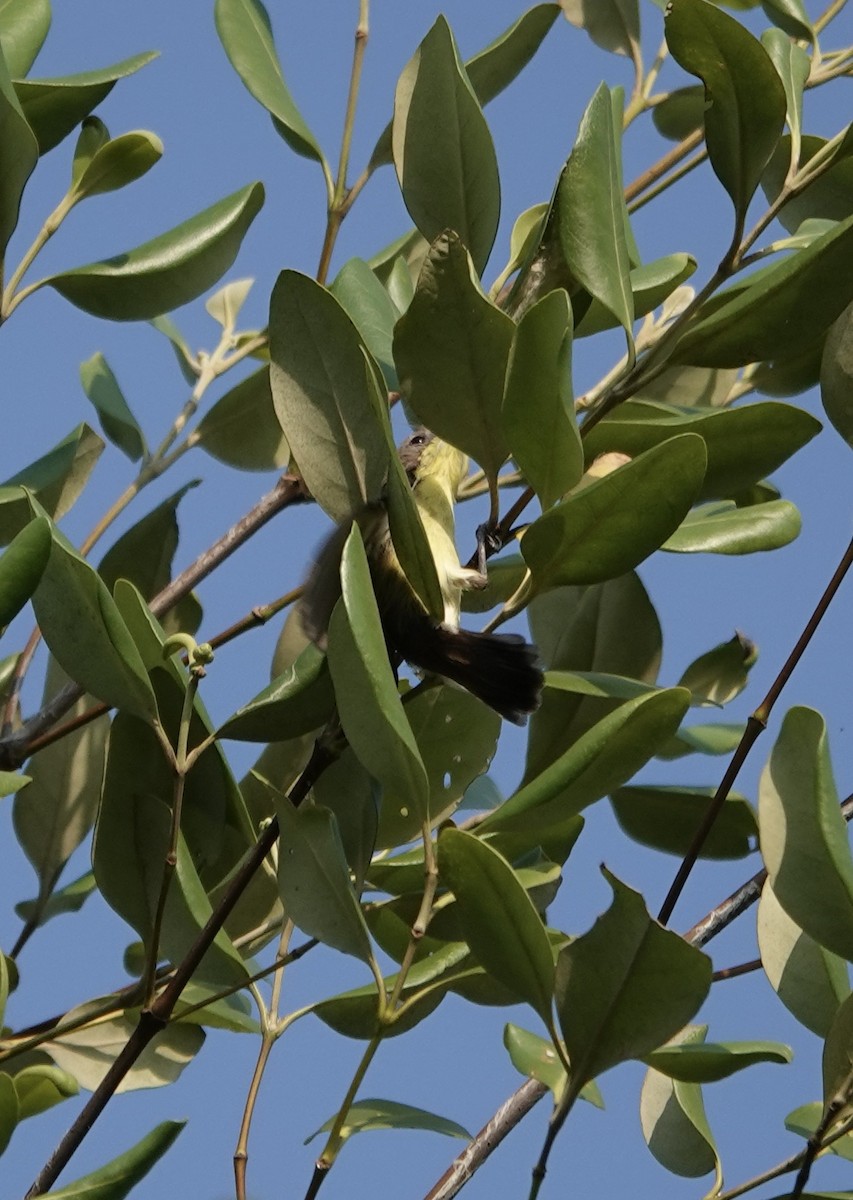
(501, 669)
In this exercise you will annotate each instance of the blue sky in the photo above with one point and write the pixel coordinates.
(216, 140)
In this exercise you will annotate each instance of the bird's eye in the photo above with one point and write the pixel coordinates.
(417, 439)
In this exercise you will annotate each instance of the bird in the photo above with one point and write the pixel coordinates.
(500, 669)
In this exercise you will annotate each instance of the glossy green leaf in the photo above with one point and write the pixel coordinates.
(597, 684)
(591, 213)
(115, 1180)
(86, 634)
(722, 528)
(24, 25)
(358, 290)
(8, 1110)
(810, 981)
(650, 285)
(838, 1055)
(680, 113)
(498, 918)
(40, 1087)
(609, 527)
(495, 67)
(456, 736)
(598, 763)
(314, 881)
(321, 396)
(605, 629)
(720, 674)
(612, 24)
(793, 65)
(168, 271)
(246, 35)
(706, 1062)
(451, 348)
(18, 156)
(668, 818)
(536, 1058)
(805, 1121)
(443, 152)
(702, 739)
(58, 810)
(625, 987)
(744, 444)
(118, 163)
(242, 429)
(745, 100)
(674, 1122)
(88, 1053)
(93, 136)
(369, 706)
(55, 107)
(117, 421)
(686, 387)
(766, 316)
(836, 375)
(804, 836)
(21, 567)
(408, 535)
(349, 791)
(790, 16)
(143, 555)
(366, 1115)
(827, 197)
(296, 702)
(538, 405)
(67, 899)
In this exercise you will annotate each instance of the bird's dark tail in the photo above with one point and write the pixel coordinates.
(499, 668)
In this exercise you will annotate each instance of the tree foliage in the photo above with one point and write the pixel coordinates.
(370, 826)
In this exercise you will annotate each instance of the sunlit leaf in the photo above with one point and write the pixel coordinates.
(365, 1115)
(722, 528)
(674, 1122)
(117, 421)
(24, 24)
(115, 1180)
(242, 429)
(18, 156)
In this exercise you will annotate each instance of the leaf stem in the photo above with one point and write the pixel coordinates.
(10, 300)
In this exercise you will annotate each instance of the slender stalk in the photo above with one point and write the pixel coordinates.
(832, 10)
(335, 1140)
(665, 163)
(745, 968)
(668, 180)
(10, 300)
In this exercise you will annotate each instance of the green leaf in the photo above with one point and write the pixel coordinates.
(650, 285)
(608, 629)
(314, 881)
(826, 197)
(811, 982)
(67, 899)
(674, 1123)
(115, 1180)
(702, 739)
(8, 1110)
(86, 634)
(686, 387)
(18, 156)
(599, 762)
(443, 152)
(609, 527)
(765, 316)
(612, 24)
(369, 706)
(366, 1115)
(59, 808)
(11, 782)
(40, 1087)
(143, 555)
(297, 701)
(226, 304)
(669, 818)
(805, 1121)
(55, 107)
(346, 789)
(246, 35)
(836, 375)
(744, 444)
(24, 25)
(118, 163)
(457, 737)
(498, 918)
(322, 398)
(451, 348)
(168, 271)
(591, 215)
(187, 361)
(804, 836)
(723, 528)
(117, 421)
(707, 1062)
(838, 1055)
(680, 113)
(21, 567)
(92, 137)
(744, 96)
(495, 67)
(625, 987)
(358, 290)
(242, 429)
(88, 1053)
(790, 16)
(793, 65)
(536, 1058)
(538, 405)
(720, 674)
